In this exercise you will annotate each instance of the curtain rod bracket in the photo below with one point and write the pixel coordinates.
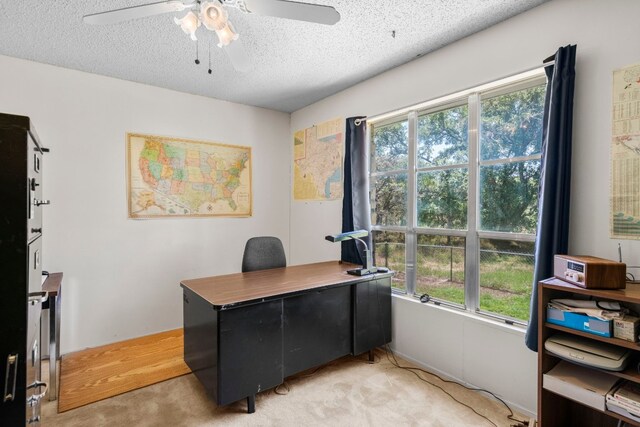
(549, 59)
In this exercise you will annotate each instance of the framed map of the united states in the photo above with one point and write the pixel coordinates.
(177, 177)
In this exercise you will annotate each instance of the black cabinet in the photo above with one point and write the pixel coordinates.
(21, 293)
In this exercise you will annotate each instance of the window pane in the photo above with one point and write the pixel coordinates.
(442, 199)
(389, 251)
(389, 199)
(442, 138)
(506, 275)
(390, 147)
(509, 197)
(511, 124)
(440, 267)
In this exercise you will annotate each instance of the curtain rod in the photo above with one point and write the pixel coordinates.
(453, 95)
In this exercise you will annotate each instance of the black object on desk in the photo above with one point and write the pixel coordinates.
(244, 333)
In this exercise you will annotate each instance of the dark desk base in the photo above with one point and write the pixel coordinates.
(241, 351)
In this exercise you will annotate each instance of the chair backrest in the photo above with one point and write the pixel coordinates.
(263, 253)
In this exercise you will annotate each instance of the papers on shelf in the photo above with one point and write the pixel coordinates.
(578, 383)
(603, 310)
(621, 411)
(625, 400)
(629, 392)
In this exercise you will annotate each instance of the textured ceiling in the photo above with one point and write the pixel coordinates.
(293, 63)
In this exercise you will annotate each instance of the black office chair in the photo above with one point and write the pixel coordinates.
(263, 253)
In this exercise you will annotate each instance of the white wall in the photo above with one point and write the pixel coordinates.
(471, 350)
(121, 276)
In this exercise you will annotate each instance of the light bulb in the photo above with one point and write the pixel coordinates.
(189, 24)
(226, 35)
(213, 16)
(212, 13)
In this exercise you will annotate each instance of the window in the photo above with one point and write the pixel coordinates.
(389, 197)
(454, 196)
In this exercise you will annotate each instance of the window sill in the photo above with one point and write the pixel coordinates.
(479, 318)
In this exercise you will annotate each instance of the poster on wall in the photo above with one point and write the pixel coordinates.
(177, 177)
(317, 161)
(625, 154)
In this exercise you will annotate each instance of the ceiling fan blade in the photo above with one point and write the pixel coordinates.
(134, 12)
(238, 55)
(293, 10)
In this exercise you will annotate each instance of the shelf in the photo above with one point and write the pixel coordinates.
(557, 410)
(630, 294)
(630, 373)
(622, 417)
(615, 341)
(606, 411)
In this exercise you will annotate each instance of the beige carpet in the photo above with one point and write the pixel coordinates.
(347, 392)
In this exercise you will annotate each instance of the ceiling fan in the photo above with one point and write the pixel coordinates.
(214, 16)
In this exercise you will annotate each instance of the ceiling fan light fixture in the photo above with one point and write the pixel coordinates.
(189, 24)
(226, 35)
(213, 16)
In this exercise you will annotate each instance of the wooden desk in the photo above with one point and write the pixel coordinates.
(244, 333)
(53, 286)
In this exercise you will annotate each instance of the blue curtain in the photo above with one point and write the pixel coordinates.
(555, 177)
(355, 204)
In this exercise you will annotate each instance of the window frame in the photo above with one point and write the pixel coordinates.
(472, 98)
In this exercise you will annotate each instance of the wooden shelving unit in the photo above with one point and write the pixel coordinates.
(555, 410)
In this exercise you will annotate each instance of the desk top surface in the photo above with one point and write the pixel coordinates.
(238, 288)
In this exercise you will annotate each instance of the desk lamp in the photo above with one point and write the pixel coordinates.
(368, 267)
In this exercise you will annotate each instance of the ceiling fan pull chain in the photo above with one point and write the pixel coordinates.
(197, 58)
(209, 71)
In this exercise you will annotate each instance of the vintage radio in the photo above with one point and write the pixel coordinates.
(590, 272)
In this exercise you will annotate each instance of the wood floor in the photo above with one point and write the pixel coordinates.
(98, 373)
